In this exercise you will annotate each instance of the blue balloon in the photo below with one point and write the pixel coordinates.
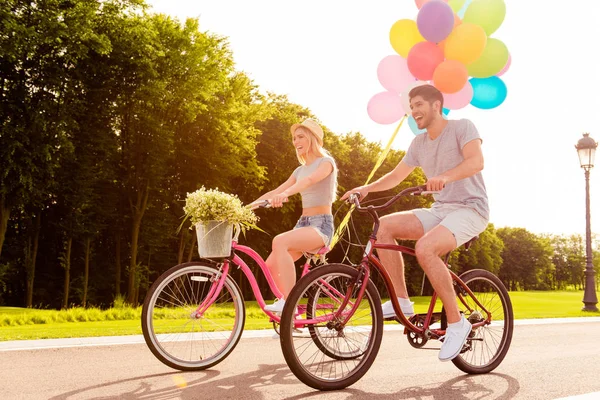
(488, 92)
(413, 124)
(461, 12)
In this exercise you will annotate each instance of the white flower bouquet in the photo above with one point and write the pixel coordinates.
(214, 214)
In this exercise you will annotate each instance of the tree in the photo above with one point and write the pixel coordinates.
(524, 256)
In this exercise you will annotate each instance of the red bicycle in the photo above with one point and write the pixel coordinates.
(349, 327)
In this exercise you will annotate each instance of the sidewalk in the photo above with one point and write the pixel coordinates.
(20, 345)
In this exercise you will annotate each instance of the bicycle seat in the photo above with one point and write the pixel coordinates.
(468, 244)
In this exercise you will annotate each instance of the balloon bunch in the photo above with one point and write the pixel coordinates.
(448, 46)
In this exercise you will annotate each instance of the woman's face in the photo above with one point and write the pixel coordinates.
(301, 140)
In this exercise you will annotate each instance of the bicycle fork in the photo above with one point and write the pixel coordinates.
(218, 280)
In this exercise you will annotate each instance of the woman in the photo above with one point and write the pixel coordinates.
(316, 180)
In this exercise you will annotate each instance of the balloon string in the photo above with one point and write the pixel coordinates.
(340, 229)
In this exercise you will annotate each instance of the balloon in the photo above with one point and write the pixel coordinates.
(413, 124)
(404, 34)
(457, 21)
(422, 60)
(506, 67)
(456, 5)
(488, 14)
(385, 108)
(405, 98)
(435, 21)
(393, 73)
(460, 99)
(466, 43)
(450, 76)
(488, 92)
(420, 3)
(493, 59)
(461, 12)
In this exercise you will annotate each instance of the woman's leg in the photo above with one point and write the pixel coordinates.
(287, 248)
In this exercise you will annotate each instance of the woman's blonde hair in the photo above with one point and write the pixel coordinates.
(314, 145)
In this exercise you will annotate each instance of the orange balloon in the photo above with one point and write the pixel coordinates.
(457, 20)
(466, 43)
(450, 76)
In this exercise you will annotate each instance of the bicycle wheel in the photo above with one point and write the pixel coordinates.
(487, 345)
(329, 356)
(316, 309)
(174, 331)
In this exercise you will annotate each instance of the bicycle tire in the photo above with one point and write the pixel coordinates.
(166, 336)
(488, 335)
(371, 342)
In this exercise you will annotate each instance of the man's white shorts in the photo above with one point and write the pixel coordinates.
(464, 222)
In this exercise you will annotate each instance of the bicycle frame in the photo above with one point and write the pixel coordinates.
(237, 260)
(369, 259)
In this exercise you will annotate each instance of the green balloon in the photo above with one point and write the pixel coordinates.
(488, 14)
(456, 5)
(493, 59)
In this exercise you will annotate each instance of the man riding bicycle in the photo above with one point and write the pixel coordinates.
(449, 153)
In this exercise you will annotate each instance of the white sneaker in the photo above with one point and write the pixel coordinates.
(388, 308)
(454, 339)
(276, 307)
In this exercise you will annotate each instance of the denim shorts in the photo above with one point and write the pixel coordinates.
(322, 223)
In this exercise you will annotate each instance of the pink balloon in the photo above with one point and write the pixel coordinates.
(385, 108)
(460, 99)
(506, 67)
(393, 73)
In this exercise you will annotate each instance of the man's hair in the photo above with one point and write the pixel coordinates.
(429, 93)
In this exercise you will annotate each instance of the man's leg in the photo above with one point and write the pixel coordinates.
(429, 249)
(402, 225)
(435, 243)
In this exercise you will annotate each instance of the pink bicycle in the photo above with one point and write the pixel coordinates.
(194, 313)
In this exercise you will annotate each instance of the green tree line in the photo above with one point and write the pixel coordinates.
(111, 114)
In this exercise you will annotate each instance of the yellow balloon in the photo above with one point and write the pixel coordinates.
(466, 43)
(404, 35)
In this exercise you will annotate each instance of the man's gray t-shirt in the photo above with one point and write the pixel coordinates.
(444, 153)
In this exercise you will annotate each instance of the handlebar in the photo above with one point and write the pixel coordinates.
(372, 210)
(263, 204)
(413, 191)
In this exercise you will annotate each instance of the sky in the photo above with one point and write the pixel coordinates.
(323, 54)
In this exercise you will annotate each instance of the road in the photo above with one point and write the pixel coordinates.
(545, 361)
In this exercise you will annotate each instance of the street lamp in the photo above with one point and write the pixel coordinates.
(586, 149)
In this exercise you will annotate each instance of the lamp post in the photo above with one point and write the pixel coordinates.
(586, 149)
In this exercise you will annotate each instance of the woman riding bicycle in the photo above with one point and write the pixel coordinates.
(316, 180)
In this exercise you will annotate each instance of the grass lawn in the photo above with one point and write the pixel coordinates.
(21, 324)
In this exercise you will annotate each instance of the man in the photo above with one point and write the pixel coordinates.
(449, 153)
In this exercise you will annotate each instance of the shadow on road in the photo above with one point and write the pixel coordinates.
(274, 379)
(465, 387)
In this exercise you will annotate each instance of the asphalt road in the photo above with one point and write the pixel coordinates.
(545, 361)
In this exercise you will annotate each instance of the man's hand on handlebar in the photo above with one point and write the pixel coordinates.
(361, 191)
(437, 183)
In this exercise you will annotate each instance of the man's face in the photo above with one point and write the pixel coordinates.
(422, 111)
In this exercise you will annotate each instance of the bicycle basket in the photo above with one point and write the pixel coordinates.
(214, 239)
